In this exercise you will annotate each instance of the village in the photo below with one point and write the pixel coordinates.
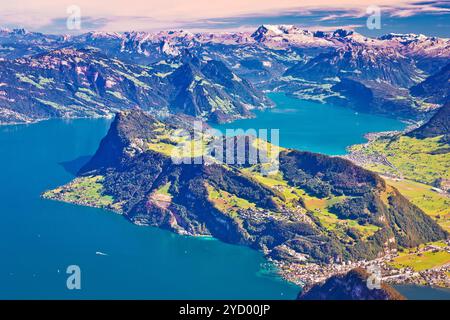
(307, 275)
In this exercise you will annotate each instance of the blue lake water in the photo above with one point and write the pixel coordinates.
(316, 127)
(414, 292)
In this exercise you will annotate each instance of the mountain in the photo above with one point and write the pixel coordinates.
(238, 50)
(266, 40)
(438, 125)
(155, 46)
(148, 172)
(362, 63)
(419, 44)
(435, 88)
(430, 53)
(367, 74)
(73, 82)
(18, 43)
(335, 65)
(350, 286)
(341, 66)
(367, 78)
(281, 36)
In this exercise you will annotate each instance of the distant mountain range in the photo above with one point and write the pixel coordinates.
(71, 82)
(218, 76)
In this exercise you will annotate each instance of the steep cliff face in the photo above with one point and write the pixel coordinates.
(351, 286)
(300, 213)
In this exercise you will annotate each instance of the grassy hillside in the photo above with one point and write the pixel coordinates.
(421, 160)
(421, 261)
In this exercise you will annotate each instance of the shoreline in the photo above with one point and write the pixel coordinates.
(307, 275)
(269, 106)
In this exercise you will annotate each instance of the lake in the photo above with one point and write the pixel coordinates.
(316, 127)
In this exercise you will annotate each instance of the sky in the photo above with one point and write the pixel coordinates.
(401, 16)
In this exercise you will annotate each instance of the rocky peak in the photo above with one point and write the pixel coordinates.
(408, 37)
(126, 136)
(342, 33)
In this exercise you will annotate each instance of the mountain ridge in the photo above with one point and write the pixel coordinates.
(324, 66)
(438, 125)
(236, 204)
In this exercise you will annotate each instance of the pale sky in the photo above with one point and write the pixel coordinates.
(150, 15)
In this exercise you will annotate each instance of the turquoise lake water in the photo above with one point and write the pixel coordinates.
(414, 292)
(40, 238)
(316, 127)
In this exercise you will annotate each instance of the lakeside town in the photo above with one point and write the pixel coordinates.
(307, 275)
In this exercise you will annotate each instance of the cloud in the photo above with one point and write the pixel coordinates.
(416, 9)
(151, 15)
(343, 14)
